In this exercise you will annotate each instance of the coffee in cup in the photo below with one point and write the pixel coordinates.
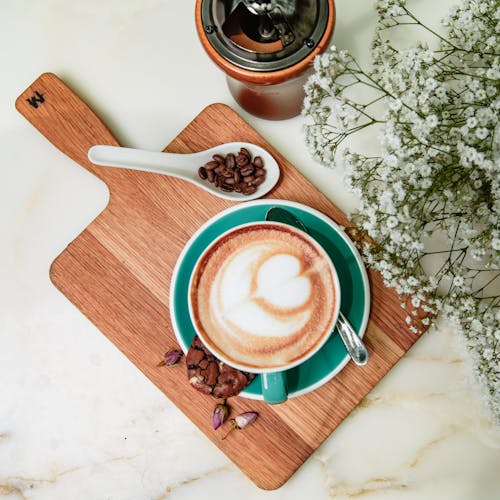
(264, 297)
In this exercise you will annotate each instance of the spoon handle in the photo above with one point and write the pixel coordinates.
(177, 165)
(352, 342)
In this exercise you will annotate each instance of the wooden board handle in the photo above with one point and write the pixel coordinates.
(64, 119)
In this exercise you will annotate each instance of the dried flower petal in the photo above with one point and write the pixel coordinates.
(246, 419)
(242, 421)
(171, 358)
(219, 414)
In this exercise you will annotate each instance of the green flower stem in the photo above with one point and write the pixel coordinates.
(437, 35)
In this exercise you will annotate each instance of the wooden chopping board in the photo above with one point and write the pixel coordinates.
(117, 272)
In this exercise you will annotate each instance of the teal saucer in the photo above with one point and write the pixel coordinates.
(355, 289)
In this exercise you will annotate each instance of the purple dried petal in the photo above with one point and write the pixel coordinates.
(171, 358)
(245, 419)
(219, 415)
(241, 421)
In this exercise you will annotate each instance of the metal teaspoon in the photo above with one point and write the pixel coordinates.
(355, 347)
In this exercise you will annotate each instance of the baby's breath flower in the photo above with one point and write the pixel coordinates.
(432, 194)
(482, 133)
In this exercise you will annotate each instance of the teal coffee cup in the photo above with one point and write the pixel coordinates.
(328, 362)
(264, 297)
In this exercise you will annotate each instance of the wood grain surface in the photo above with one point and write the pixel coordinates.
(117, 272)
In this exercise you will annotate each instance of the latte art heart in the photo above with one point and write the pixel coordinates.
(263, 296)
(279, 282)
(258, 292)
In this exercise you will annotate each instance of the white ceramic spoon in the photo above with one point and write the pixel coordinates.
(185, 166)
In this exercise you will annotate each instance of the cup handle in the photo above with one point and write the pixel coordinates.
(274, 387)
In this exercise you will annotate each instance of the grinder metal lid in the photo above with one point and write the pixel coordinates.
(264, 35)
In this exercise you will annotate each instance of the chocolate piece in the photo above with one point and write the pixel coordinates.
(211, 376)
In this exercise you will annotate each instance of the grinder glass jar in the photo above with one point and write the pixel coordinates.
(266, 48)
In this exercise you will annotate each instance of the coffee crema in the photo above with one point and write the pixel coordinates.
(263, 296)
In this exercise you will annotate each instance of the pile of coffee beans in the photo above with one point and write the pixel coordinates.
(237, 173)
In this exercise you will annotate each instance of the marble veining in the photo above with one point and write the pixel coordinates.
(171, 489)
(21, 483)
(77, 420)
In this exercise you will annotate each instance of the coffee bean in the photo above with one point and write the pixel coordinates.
(210, 175)
(259, 171)
(237, 188)
(229, 181)
(211, 165)
(244, 151)
(247, 170)
(227, 172)
(226, 187)
(237, 176)
(230, 161)
(202, 172)
(257, 161)
(248, 178)
(218, 169)
(242, 160)
(248, 189)
(218, 158)
(258, 180)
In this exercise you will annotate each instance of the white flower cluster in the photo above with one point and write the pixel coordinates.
(434, 189)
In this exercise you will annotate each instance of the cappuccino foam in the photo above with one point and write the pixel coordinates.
(263, 296)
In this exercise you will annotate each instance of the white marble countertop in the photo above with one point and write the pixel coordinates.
(77, 419)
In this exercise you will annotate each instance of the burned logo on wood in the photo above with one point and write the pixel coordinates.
(36, 99)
